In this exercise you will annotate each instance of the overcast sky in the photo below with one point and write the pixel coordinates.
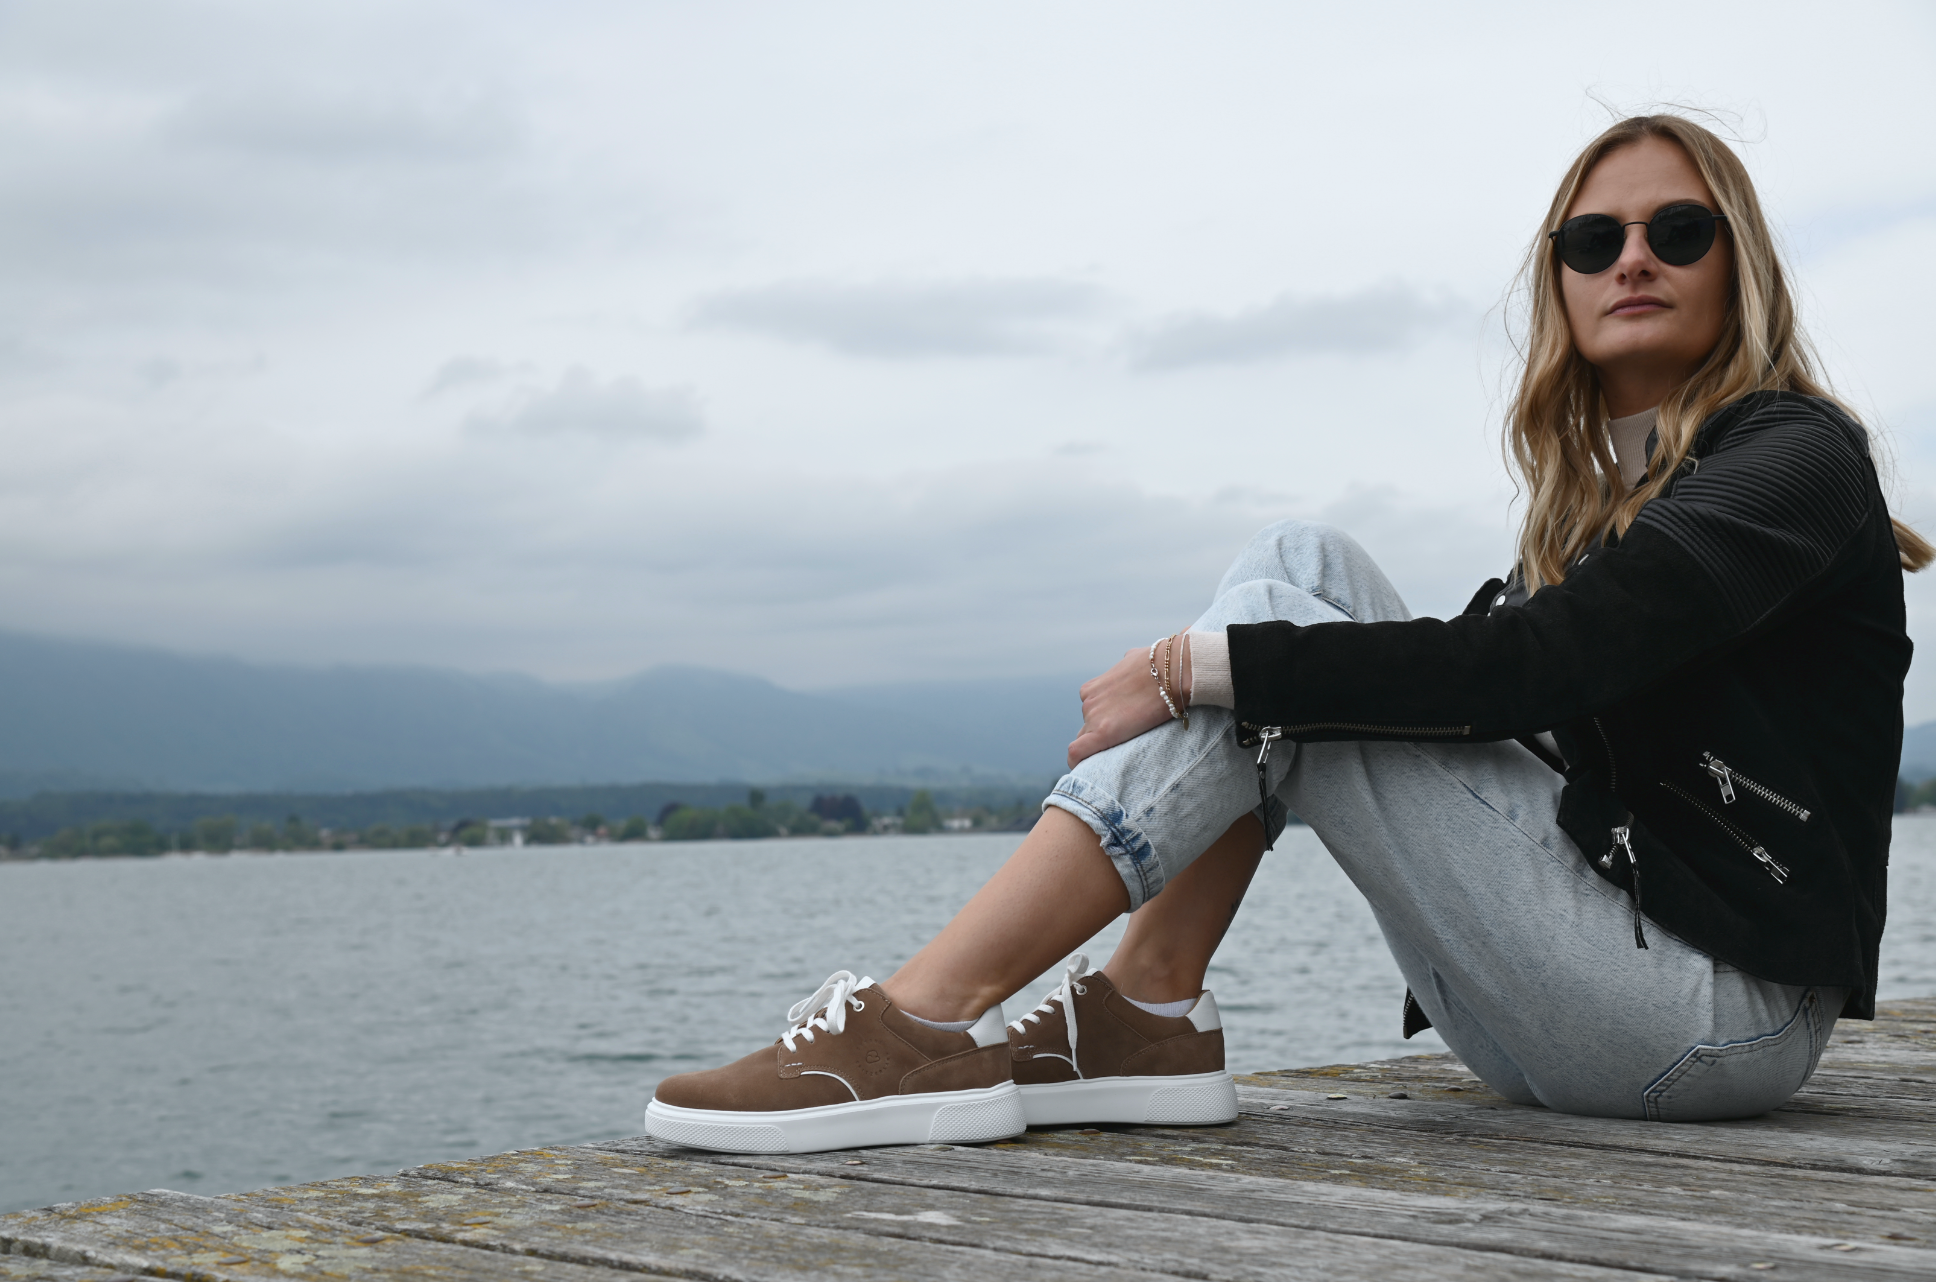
(837, 342)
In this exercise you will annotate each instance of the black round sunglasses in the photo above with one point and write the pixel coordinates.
(1678, 234)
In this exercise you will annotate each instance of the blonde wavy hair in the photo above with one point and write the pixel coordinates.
(1556, 427)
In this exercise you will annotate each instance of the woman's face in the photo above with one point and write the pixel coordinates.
(1645, 325)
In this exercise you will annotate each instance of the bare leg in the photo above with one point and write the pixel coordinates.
(1055, 891)
(1170, 939)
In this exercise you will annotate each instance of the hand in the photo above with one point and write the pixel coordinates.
(1123, 703)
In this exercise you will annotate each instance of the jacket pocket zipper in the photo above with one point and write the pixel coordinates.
(1261, 738)
(1623, 841)
(1769, 864)
(1422, 732)
(1613, 771)
(1727, 780)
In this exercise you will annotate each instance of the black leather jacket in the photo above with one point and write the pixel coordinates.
(1724, 683)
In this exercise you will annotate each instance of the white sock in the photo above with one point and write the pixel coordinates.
(1169, 1009)
(945, 1025)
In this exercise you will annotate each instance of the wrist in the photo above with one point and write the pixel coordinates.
(1210, 670)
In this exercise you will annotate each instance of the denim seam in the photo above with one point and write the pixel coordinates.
(1175, 782)
(1329, 600)
(1657, 1090)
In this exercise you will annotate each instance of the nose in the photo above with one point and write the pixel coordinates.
(1636, 259)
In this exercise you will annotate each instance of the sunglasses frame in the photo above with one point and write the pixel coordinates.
(1559, 246)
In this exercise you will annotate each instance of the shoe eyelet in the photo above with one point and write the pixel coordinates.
(1081, 991)
(859, 1004)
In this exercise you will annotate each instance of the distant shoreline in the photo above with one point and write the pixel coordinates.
(36, 818)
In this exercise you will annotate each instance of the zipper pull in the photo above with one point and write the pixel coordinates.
(1775, 869)
(1722, 776)
(1266, 736)
(1622, 839)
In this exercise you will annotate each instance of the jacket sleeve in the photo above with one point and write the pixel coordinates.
(1764, 520)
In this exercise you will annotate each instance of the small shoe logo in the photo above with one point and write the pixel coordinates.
(875, 1058)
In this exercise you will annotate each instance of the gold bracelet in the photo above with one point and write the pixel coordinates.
(1166, 687)
(1158, 678)
(1176, 688)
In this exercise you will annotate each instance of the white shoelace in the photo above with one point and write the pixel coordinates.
(826, 1009)
(1072, 970)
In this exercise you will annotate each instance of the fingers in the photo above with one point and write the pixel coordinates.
(1117, 706)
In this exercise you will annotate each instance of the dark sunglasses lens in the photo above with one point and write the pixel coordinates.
(1590, 243)
(1681, 235)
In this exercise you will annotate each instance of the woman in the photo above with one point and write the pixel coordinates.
(1624, 823)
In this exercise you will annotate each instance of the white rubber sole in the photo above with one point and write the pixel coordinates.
(1187, 1099)
(936, 1117)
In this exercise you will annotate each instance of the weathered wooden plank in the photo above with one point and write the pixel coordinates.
(180, 1235)
(1827, 1204)
(1881, 1083)
(22, 1268)
(732, 1224)
(678, 1238)
(1905, 1113)
(1824, 1203)
(1441, 1078)
(1399, 1159)
(1813, 1142)
(1139, 1210)
(1884, 1097)
(1871, 1087)
(1892, 1060)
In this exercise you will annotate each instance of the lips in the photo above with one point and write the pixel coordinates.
(1636, 304)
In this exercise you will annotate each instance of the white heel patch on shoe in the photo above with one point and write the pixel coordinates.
(991, 1028)
(1203, 1015)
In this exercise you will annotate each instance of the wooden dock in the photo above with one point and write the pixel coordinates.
(1399, 1169)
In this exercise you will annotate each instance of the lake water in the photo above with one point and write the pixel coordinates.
(219, 1024)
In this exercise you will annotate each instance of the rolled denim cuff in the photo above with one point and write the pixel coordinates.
(1126, 845)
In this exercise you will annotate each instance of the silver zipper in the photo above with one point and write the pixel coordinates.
(1435, 732)
(1266, 736)
(1728, 780)
(1613, 771)
(1769, 864)
(1623, 840)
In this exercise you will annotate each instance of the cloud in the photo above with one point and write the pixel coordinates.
(906, 319)
(620, 408)
(251, 196)
(286, 124)
(464, 371)
(531, 560)
(1384, 319)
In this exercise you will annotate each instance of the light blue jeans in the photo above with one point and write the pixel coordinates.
(1523, 958)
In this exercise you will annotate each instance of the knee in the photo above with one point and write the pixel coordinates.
(1295, 540)
(1305, 554)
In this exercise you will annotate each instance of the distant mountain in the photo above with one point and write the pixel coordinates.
(79, 715)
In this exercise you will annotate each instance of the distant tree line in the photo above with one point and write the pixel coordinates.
(827, 815)
(37, 818)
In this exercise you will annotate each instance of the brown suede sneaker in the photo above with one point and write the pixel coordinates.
(851, 1072)
(1086, 1054)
